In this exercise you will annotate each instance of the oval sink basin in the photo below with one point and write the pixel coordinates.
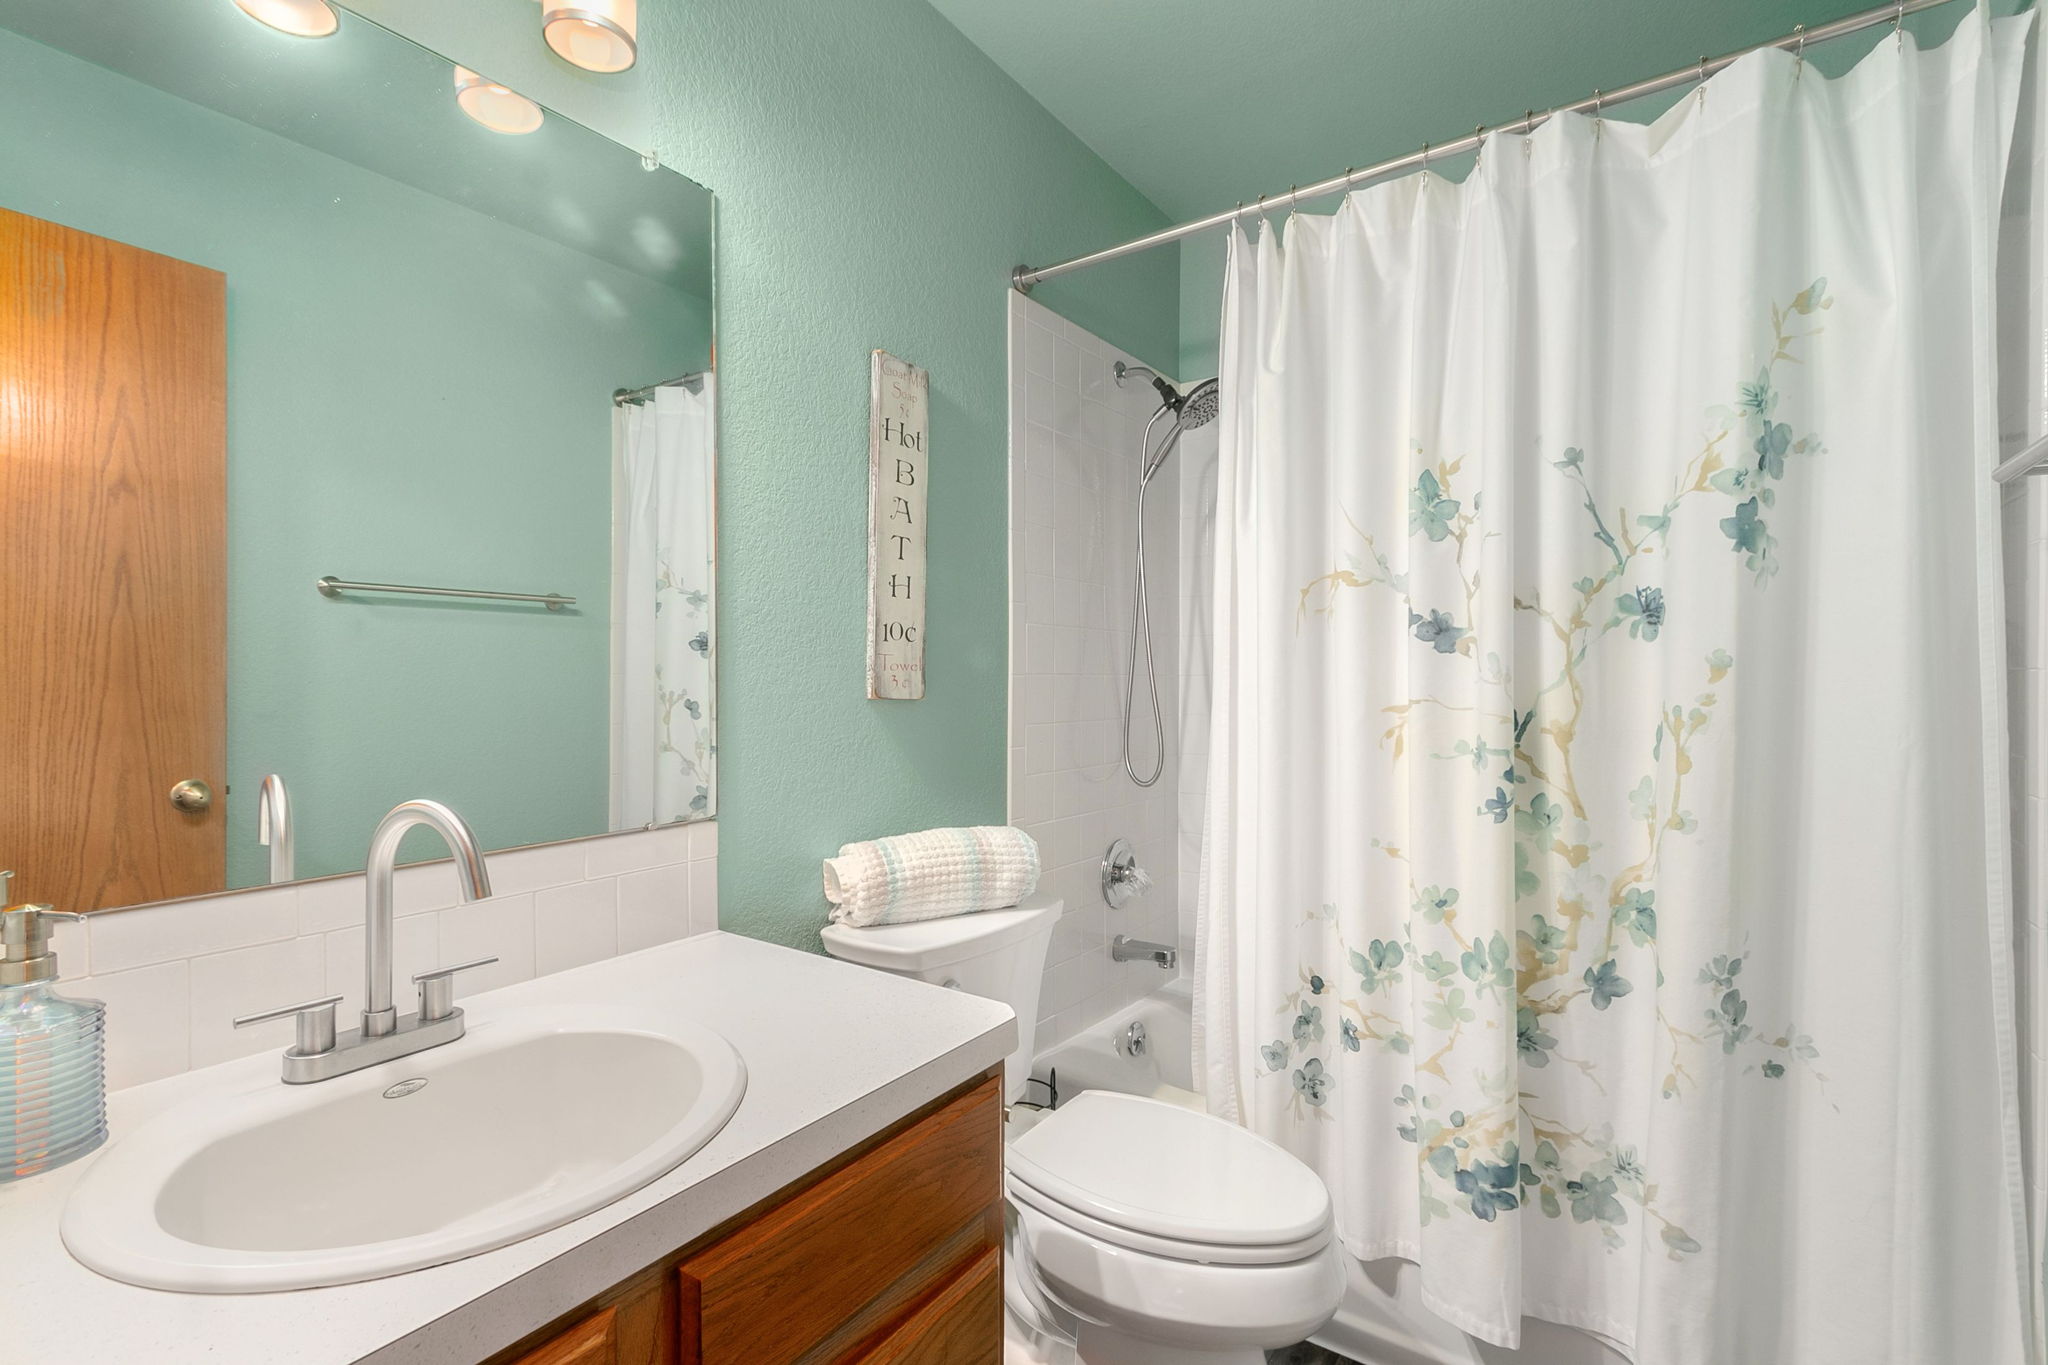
(535, 1118)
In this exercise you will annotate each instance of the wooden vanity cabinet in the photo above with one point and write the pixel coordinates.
(890, 1256)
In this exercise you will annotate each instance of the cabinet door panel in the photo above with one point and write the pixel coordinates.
(859, 1245)
(960, 1325)
(593, 1341)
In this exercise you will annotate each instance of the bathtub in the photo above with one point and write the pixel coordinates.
(1102, 1057)
(1382, 1320)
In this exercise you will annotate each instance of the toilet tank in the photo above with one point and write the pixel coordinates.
(999, 954)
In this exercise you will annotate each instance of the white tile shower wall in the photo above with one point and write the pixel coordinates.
(2026, 609)
(174, 975)
(1074, 463)
(1197, 616)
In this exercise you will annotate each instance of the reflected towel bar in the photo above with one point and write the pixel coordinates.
(332, 586)
(2032, 460)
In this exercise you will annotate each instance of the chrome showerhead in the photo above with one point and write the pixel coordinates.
(1198, 408)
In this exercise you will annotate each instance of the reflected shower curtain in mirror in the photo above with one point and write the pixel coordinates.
(1606, 880)
(662, 746)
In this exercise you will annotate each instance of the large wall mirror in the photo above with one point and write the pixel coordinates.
(276, 310)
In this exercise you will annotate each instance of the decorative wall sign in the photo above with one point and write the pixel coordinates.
(898, 458)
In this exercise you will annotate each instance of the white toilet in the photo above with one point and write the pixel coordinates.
(1173, 1235)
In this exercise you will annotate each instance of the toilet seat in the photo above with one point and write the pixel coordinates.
(1171, 1182)
(1169, 1248)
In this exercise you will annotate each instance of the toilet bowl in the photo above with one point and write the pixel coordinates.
(1171, 1235)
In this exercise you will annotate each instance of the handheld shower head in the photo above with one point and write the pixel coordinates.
(1195, 408)
(1198, 408)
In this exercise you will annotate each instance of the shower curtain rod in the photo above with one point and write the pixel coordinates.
(1025, 276)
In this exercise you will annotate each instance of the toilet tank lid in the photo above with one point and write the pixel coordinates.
(929, 943)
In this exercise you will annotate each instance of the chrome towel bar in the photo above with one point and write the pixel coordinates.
(2032, 460)
(331, 586)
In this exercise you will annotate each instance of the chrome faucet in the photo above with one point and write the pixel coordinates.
(379, 1018)
(319, 1054)
(274, 827)
(1138, 950)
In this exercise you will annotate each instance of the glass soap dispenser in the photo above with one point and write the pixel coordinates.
(53, 1078)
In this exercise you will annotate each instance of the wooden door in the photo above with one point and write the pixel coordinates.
(113, 477)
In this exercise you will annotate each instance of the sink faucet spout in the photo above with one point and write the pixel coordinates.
(379, 1017)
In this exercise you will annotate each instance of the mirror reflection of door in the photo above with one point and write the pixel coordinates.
(113, 465)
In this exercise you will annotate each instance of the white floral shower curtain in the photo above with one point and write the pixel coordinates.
(1605, 887)
(662, 747)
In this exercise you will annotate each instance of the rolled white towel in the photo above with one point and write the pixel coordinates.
(931, 875)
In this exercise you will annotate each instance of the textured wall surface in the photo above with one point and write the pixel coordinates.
(877, 178)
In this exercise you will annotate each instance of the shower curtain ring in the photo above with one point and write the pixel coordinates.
(1798, 51)
(1528, 127)
(1899, 23)
(1703, 80)
(1425, 160)
(1599, 118)
(1478, 144)
(1293, 197)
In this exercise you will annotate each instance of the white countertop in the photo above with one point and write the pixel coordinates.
(834, 1054)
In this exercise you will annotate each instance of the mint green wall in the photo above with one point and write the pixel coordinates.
(393, 415)
(877, 178)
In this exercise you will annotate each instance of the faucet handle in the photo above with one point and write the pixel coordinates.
(437, 989)
(316, 1024)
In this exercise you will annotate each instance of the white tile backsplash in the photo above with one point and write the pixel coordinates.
(415, 948)
(501, 927)
(1075, 453)
(149, 1010)
(174, 975)
(158, 933)
(579, 923)
(534, 868)
(244, 981)
(654, 907)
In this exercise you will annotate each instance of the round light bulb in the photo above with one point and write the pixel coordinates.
(300, 18)
(597, 35)
(495, 107)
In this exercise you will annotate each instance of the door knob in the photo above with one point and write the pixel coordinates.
(192, 794)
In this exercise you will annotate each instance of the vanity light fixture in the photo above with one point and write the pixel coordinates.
(597, 35)
(300, 18)
(495, 107)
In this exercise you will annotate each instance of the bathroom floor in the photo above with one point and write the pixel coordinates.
(1306, 1353)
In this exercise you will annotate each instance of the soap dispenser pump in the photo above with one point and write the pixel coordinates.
(53, 1086)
